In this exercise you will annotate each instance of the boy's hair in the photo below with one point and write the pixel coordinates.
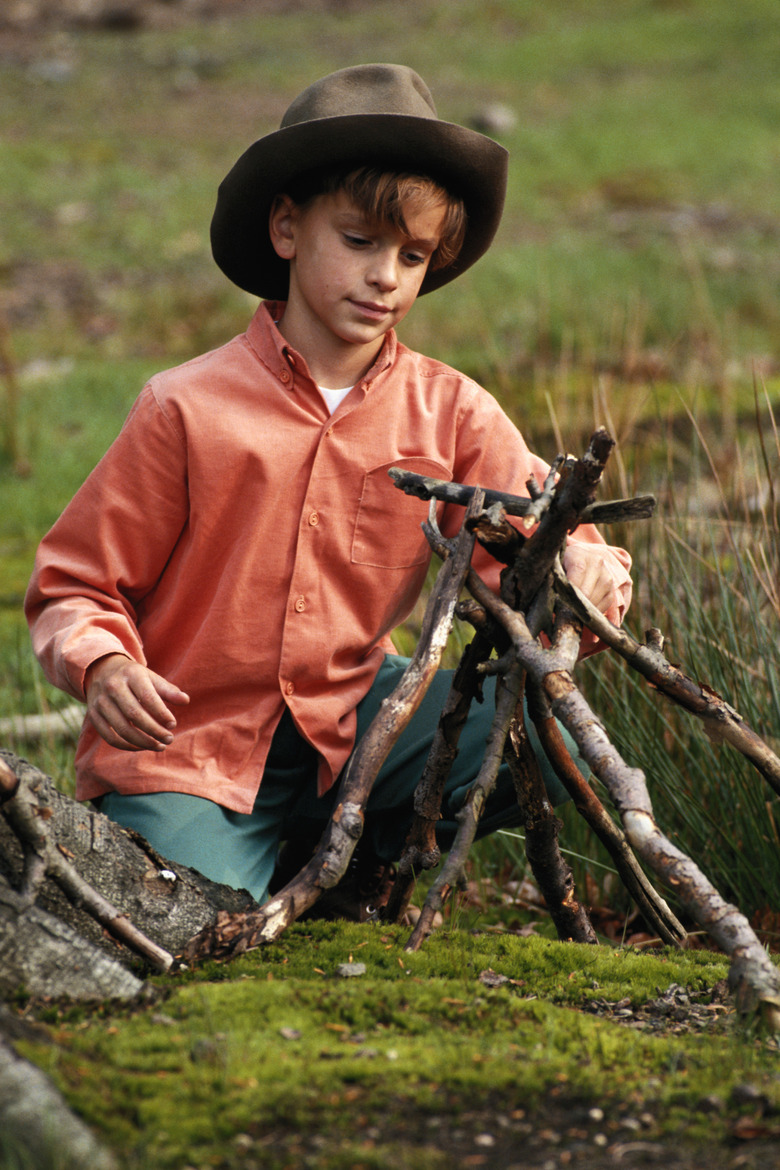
(384, 197)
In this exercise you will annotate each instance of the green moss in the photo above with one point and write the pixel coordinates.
(276, 1043)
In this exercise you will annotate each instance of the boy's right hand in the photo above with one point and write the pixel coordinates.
(126, 704)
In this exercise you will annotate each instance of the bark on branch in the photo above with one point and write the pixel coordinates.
(722, 723)
(62, 854)
(236, 933)
(607, 512)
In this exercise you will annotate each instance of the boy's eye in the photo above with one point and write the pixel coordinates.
(356, 241)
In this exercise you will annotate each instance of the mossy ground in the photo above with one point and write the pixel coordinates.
(274, 1059)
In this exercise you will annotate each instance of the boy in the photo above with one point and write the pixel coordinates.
(222, 589)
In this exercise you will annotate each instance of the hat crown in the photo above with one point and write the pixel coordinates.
(363, 89)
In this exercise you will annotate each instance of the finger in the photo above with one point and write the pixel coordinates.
(168, 691)
(129, 716)
(119, 733)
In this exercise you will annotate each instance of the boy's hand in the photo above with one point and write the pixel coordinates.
(585, 567)
(126, 703)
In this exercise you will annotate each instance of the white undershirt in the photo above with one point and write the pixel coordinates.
(333, 398)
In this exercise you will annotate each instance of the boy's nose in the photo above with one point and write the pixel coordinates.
(384, 270)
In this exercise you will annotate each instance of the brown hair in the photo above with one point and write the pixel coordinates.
(384, 196)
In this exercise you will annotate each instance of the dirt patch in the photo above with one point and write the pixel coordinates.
(557, 1133)
(21, 19)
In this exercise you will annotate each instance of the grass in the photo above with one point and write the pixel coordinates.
(274, 1059)
(643, 164)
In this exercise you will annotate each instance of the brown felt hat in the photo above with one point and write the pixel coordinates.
(367, 115)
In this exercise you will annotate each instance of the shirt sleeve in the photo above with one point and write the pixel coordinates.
(108, 549)
(492, 453)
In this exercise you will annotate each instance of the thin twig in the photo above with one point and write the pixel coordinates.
(29, 817)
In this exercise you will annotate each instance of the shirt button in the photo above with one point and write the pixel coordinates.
(314, 519)
(300, 604)
(285, 375)
(289, 688)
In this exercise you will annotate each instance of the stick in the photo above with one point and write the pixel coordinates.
(721, 721)
(28, 816)
(607, 512)
(421, 850)
(236, 933)
(470, 813)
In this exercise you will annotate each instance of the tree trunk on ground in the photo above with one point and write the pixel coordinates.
(165, 901)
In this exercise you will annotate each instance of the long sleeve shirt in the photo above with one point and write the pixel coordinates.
(251, 548)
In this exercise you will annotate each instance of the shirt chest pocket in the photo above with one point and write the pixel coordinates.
(387, 531)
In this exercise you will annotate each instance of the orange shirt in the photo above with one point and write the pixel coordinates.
(251, 548)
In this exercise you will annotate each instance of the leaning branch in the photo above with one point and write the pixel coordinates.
(235, 933)
(721, 722)
(753, 977)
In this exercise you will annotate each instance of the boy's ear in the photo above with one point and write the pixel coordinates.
(281, 224)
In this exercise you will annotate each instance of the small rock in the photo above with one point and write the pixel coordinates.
(749, 1095)
(494, 118)
(711, 1104)
(350, 970)
(485, 1140)
(491, 978)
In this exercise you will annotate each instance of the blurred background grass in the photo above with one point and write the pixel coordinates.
(634, 283)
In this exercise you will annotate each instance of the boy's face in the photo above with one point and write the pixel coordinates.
(351, 280)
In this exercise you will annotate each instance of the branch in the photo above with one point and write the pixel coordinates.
(470, 813)
(235, 933)
(65, 723)
(653, 907)
(721, 721)
(607, 512)
(421, 850)
(28, 815)
(753, 976)
(552, 872)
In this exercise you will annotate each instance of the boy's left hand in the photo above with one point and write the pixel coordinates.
(586, 567)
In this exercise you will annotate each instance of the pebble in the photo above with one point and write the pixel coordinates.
(745, 1094)
(350, 970)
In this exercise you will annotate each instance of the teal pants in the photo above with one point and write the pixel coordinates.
(240, 849)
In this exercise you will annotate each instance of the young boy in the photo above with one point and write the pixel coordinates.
(222, 589)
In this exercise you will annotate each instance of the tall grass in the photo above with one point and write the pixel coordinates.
(707, 570)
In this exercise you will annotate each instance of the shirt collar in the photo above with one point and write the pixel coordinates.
(278, 355)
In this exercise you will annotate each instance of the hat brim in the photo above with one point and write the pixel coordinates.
(466, 163)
